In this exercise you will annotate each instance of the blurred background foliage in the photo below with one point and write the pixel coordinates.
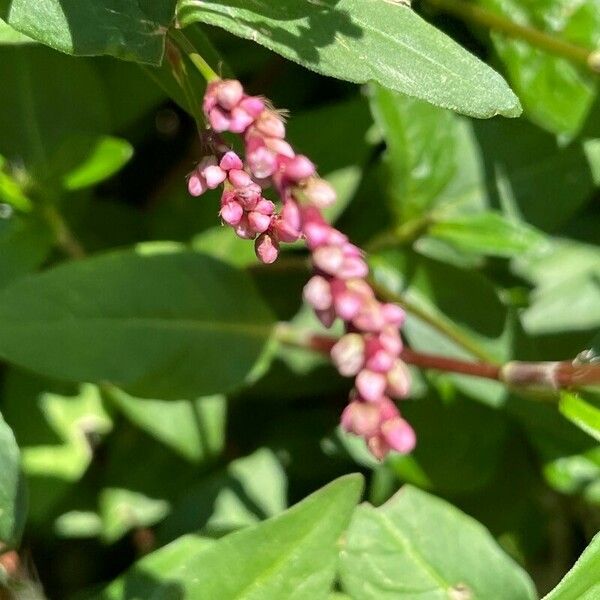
(490, 227)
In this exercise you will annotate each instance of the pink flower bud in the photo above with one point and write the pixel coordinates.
(230, 161)
(229, 92)
(290, 213)
(399, 435)
(218, 120)
(248, 196)
(244, 230)
(299, 168)
(252, 105)
(264, 207)
(258, 222)
(240, 120)
(196, 184)
(378, 447)
(380, 361)
(387, 409)
(266, 248)
(214, 176)
(370, 317)
(370, 385)
(347, 305)
(284, 231)
(317, 292)
(360, 418)
(348, 354)
(393, 314)
(232, 213)
(390, 340)
(320, 193)
(353, 267)
(328, 259)
(280, 147)
(398, 380)
(239, 178)
(262, 162)
(270, 124)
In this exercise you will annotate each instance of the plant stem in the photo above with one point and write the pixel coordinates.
(540, 39)
(198, 61)
(64, 237)
(541, 376)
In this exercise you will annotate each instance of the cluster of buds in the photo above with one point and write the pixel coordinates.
(370, 350)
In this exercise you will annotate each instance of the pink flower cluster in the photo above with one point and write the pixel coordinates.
(370, 350)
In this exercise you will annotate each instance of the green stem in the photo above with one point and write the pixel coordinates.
(198, 61)
(65, 239)
(535, 37)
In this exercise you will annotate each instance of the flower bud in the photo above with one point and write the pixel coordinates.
(370, 385)
(328, 259)
(244, 230)
(252, 105)
(327, 317)
(196, 184)
(317, 292)
(393, 314)
(360, 418)
(353, 267)
(214, 176)
(240, 120)
(262, 161)
(399, 435)
(390, 340)
(239, 178)
(231, 160)
(270, 124)
(265, 207)
(266, 248)
(320, 193)
(231, 213)
(229, 92)
(218, 120)
(347, 304)
(258, 222)
(398, 380)
(348, 354)
(299, 168)
(380, 361)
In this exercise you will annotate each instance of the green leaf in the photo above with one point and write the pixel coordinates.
(25, 241)
(488, 233)
(293, 555)
(127, 29)
(365, 40)
(248, 490)
(582, 409)
(85, 160)
(581, 582)
(407, 548)
(8, 35)
(193, 428)
(556, 92)
(13, 497)
(33, 119)
(159, 326)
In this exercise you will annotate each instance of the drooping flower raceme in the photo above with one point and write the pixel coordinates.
(370, 349)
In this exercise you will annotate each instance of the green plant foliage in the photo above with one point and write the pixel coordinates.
(159, 349)
(294, 554)
(409, 543)
(12, 490)
(125, 29)
(380, 41)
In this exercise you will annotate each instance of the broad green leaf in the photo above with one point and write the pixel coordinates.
(127, 29)
(408, 548)
(219, 242)
(556, 93)
(8, 35)
(84, 160)
(582, 409)
(294, 555)
(151, 575)
(159, 326)
(34, 119)
(582, 581)
(247, 491)
(25, 241)
(488, 233)
(420, 141)
(365, 40)
(13, 498)
(193, 428)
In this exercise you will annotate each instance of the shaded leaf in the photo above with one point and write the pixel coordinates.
(365, 40)
(582, 409)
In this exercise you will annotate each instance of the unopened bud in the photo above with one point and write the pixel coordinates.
(348, 354)
(370, 385)
(266, 248)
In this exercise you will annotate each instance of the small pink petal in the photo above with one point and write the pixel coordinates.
(230, 161)
(266, 248)
(214, 176)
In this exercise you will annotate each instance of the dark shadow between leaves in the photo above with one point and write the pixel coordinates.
(322, 23)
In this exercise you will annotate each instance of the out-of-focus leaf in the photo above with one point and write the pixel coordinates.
(25, 241)
(407, 548)
(487, 233)
(13, 498)
(223, 244)
(247, 491)
(582, 408)
(193, 428)
(365, 40)
(158, 326)
(152, 576)
(11, 192)
(294, 555)
(8, 35)
(556, 93)
(85, 160)
(128, 30)
(34, 119)
(581, 582)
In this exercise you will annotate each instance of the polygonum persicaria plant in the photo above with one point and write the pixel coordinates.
(370, 349)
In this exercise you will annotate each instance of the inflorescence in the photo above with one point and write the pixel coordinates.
(370, 349)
